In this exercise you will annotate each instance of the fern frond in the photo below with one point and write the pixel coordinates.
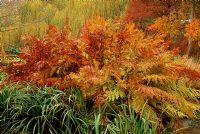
(179, 69)
(190, 63)
(146, 52)
(145, 66)
(195, 92)
(99, 98)
(184, 109)
(156, 93)
(115, 94)
(172, 111)
(182, 88)
(157, 79)
(151, 46)
(189, 108)
(141, 106)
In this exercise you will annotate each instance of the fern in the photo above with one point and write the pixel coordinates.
(143, 67)
(141, 106)
(156, 93)
(172, 111)
(115, 94)
(157, 79)
(113, 60)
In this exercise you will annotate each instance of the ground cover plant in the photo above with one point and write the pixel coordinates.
(24, 109)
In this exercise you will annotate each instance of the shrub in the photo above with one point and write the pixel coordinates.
(112, 60)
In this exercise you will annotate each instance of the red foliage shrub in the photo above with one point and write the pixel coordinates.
(141, 9)
(53, 57)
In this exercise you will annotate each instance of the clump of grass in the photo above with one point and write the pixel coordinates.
(78, 11)
(32, 17)
(48, 110)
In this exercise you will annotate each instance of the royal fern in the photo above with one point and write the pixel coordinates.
(55, 56)
(111, 60)
(141, 66)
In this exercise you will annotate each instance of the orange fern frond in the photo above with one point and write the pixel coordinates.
(99, 98)
(153, 92)
(141, 106)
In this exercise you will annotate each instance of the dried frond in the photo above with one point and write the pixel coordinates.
(99, 98)
(172, 111)
(141, 106)
(189, 108)
(156, 93)
(157, 79)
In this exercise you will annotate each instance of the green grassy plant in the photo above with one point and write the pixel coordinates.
(47, 110)
(80, 10)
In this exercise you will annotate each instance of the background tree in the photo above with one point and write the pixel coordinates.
(174, 22)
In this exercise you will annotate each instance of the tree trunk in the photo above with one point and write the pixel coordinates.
(192, 15)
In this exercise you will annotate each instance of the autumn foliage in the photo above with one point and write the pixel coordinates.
(192, 29)
(143, 9)
(112, 60)
(55, 56)
(180, 24)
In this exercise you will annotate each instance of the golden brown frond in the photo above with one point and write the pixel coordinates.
(151, 46)
(171, 110)
(99, 98)
(189, 108)
(156, 93)
(157, 79)
(141, 106)
(195, 92)
(150, 51)
(181, 70)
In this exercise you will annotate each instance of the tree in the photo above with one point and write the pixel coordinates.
(178, 22)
